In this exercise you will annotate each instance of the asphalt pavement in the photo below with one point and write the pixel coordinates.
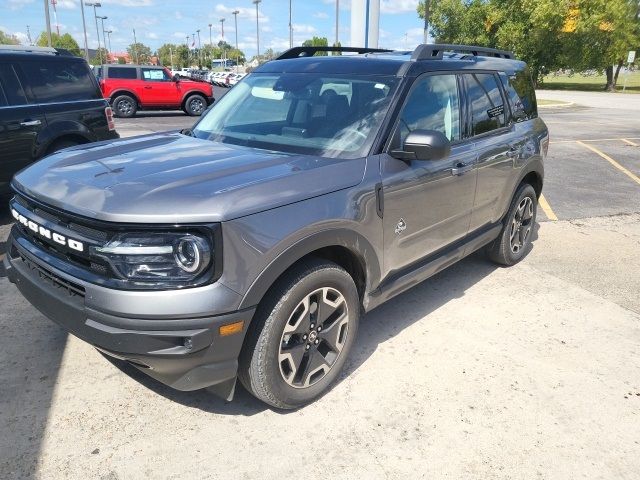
(481, 372)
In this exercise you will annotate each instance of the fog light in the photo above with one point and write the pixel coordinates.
(188, 344)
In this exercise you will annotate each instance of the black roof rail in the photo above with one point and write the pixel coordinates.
(297, 52)
(434, 51)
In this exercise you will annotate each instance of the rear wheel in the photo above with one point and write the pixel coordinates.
(195, 105)
(515, 238)
(301, 336)
(124, 106)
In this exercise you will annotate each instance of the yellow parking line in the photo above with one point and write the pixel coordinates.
(634, 144)
(632, 176)
(546, 208)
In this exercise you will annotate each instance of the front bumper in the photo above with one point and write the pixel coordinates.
(183, 353)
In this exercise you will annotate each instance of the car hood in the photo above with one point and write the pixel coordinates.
(173, 178)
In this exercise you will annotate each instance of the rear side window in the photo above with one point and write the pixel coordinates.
(522, 96)
(13, 92)
(123, 72)
(485, 103)
(57, 81)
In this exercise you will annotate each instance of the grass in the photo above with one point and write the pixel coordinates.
(543, 102)
(593, 83)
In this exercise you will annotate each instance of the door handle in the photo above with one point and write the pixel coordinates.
(30, 123)
(147, 87)
(513, 152)
(461, 169)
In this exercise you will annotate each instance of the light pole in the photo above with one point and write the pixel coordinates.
(46, 14)
(199, 50)
(104, 37)
(337, 20)
(135, 46)
(84, 28)
(95, 15)
(109, 32)
(222, 33)
(210, 41)
(290, 27)
(426, 20)
(257, 2)
(235, 20)
(188, 52)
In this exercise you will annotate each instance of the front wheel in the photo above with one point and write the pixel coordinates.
(301, 335)
(195, 105)
(515, 238)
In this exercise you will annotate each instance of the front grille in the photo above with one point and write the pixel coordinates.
(72, 289)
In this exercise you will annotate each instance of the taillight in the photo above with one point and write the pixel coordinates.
(109, 114)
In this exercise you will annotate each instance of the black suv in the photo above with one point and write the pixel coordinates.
(315, 190)
(49, 100)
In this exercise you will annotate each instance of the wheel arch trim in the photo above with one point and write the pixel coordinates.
(357, 244)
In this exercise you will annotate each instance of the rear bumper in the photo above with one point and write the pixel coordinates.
(183, 353)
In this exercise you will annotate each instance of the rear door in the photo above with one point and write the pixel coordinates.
(20, 125)
(159, 88)
(428, 204)
(496, 143)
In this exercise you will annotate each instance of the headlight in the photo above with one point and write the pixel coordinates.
(157, 258)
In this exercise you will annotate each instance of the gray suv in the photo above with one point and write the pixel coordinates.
(315, 190)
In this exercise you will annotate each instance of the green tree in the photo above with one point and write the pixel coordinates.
(65, 41)
(168, 56)
(8, 39)
(99, 57)
(317, 42)
(139, 53)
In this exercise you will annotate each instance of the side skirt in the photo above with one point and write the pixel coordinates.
(399, 282)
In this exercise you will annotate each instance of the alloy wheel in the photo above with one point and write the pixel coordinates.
(521, 224)
(313, 337)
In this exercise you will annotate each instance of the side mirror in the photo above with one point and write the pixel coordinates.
(175, 78)
(424, 145)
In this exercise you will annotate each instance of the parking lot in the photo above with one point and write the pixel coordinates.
(480, 372)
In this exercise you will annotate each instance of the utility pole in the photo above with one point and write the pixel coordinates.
(84, 28)
(135, 46)
(29, 35)
(427, 8)
(235, 19)
(337, 20)
(257, 2)
(48, 20)
(290, 27)
(95, 15)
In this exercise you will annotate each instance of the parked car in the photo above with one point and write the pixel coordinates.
(49, 100)
(315, 190)
(236, 78)
(130, 88)
(182, 72)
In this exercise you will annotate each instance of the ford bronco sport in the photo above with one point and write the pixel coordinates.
(318, 188)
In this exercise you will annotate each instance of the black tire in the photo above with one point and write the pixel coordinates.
(195, 105)
(514, 241)
(262, 370)
(124, 106)
(61, 145)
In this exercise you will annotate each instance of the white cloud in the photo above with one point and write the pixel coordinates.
(398, 6)
(152, 36)
(302, 28)
(242, 12)
(321, 15)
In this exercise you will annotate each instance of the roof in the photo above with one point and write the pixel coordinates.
(424, 58)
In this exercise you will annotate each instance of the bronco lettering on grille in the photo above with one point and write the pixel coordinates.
(47, 233)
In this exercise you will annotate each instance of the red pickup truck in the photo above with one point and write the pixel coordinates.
(130, 88)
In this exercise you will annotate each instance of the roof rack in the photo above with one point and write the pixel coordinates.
(434, 51)
(32, 49)
(297, 52)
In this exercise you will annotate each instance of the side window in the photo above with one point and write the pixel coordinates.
(60, 81)
(13, 91)
(433, 104)
(485, 102)
(123, 72)
(155, 75)
(522, 95)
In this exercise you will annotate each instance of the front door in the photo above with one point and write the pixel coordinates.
(427, 204)
(158, 88)
(20, 124)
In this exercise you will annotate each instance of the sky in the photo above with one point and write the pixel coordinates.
(170, 21)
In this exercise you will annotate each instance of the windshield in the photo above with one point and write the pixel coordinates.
(317, 114)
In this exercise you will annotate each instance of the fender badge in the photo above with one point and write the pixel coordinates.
(401, 226)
